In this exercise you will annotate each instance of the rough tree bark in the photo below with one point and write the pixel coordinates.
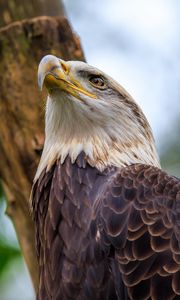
(22, 45)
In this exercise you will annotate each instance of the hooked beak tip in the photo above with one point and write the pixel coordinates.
(44, 67)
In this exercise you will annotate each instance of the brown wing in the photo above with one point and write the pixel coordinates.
(140, 214)
(72, 263)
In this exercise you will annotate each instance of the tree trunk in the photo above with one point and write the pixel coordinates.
(16, 10)
(22, 45)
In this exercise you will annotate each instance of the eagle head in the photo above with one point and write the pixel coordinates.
(87, 111)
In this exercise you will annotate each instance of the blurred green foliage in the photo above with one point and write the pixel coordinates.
(8, 251)
(7, 254)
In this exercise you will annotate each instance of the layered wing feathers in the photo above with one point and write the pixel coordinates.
(140, 213)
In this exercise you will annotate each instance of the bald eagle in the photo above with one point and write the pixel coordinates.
(107, 217)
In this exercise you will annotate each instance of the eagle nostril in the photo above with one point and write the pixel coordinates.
(64, 67)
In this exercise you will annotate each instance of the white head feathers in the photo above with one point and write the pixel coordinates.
(88, 111)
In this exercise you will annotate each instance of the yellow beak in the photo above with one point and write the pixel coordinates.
(55, 74)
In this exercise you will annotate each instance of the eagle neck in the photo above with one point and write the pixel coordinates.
(69, 132)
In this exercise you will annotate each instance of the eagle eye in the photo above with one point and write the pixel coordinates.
(97, 81)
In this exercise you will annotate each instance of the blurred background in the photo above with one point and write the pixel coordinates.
(137, 43)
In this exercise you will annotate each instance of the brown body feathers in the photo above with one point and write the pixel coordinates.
(113, 234)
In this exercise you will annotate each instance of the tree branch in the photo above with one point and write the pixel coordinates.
(22, 45)
(16, 10)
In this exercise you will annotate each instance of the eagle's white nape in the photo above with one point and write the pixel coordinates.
(111, 130)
